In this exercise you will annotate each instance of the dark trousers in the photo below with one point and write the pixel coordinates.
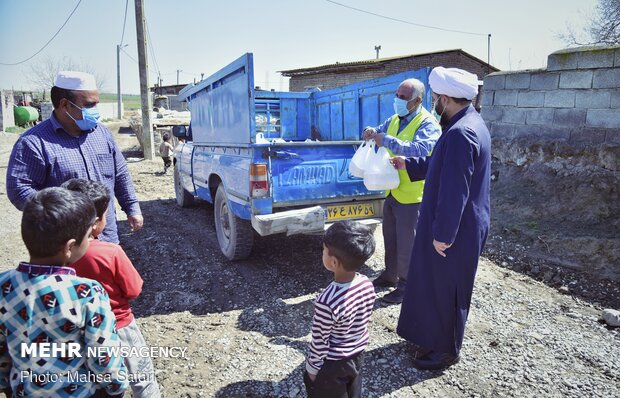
(167, 161)
(337, 379)
(399, 223)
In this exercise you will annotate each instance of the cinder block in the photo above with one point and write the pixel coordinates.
(544, 132)
(505, 98)
(492, 113)
(531, 99)
(615, 98)
(501, 130)
(607, 78)
(545, 81)
(571, 117)
(514, 115)
(487, 97)
(494, 82)
(46, 110)
(517, 81)
(555, 133)
(596, 58)
(562, 60)
(541, 116)
(593, 99)
(588, 135)
(522, 130)
(612, 136)
(560, 99)
(580, 79)
(606, 118)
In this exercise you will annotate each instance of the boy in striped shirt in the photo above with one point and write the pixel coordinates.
(341, 314)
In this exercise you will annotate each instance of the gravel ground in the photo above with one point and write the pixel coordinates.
(246, 325)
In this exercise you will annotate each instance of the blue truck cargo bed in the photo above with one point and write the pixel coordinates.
(277, 162)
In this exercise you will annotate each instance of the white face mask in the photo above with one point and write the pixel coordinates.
(434, 111)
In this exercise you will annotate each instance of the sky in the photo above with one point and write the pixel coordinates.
(201, 36)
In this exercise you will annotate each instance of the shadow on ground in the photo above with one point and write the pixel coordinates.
(396, 356)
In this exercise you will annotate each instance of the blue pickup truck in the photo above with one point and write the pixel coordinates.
(277, 162)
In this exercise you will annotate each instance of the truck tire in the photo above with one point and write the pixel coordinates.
(234, 235)
(184, 198)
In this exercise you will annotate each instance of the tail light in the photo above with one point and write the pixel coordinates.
(259, 184)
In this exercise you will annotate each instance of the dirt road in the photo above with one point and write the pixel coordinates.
(246, 325)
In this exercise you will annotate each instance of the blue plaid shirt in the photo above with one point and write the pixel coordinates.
(51, 307)
(46, 156)
(423, 142)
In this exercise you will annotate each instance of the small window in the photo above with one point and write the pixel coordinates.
(267, 118)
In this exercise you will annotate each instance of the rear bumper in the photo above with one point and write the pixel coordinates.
(310, 220)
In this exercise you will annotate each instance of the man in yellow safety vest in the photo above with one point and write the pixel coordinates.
(411, 132)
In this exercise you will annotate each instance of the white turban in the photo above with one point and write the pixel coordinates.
(453, 82)
(70, 80)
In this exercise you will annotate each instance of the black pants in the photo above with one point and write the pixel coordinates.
(167, 161)
(337, 379)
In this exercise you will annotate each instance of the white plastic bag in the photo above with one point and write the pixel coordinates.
(260, 139)
(379, 174)
(358, 161)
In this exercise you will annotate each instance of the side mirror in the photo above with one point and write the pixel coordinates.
(179, 131)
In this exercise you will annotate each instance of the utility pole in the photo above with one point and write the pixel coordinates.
(178, 70)
(489, 54)
(377, 48)
(147, 125)
(118, 79)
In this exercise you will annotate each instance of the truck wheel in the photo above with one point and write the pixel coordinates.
(184, 198)
(234, 235)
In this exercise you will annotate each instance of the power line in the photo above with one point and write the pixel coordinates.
(407, 22)
(48, 42)
(134, 60)
(124, 22)
(149, 40)
(128, 55)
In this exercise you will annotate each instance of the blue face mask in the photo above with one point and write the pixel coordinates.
(400, 107)
(90, 117)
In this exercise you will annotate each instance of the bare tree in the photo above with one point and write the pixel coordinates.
(601, 29)
(43, 73)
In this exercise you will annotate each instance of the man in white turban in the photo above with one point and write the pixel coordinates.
(453, 224)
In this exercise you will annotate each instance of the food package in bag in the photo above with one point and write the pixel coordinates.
(380, 174)
(358, 161)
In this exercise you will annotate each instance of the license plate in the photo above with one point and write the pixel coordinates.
(342, 212)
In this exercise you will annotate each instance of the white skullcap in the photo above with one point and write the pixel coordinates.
(71, 80)
(453, 82)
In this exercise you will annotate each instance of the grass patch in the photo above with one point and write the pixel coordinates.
(130, 101)
(16, 129)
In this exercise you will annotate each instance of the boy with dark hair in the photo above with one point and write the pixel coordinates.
(108, 264)
(341, 314)
(43, 303)
(165, 150)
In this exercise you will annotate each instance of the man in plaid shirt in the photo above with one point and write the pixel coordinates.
(72, 144)
(43, 303)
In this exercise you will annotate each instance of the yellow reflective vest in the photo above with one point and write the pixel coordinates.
(407, 192)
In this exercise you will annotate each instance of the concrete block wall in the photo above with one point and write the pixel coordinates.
(7, 118)
(46, 110)
(575, 99)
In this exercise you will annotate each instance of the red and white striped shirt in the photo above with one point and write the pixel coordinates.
(340, 323)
